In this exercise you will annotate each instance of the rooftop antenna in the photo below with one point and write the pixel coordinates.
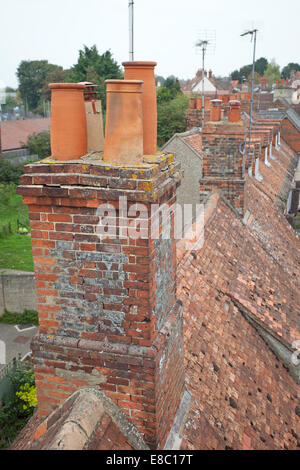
(205, 44)
(253, 33)
(131, 17)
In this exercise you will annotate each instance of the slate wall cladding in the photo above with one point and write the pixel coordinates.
(107, 309)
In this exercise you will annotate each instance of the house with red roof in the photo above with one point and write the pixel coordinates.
(14, 134)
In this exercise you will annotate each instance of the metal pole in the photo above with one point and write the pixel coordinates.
(252, 90)
(203, 52)
(131, 48)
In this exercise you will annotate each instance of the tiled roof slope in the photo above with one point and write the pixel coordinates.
(194, 141)
(88, 420)
(15, 133)
(243, 396)
(243, 283)
(294, 118)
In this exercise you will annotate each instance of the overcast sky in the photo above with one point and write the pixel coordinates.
(165, 31)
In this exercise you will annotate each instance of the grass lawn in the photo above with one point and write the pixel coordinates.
(297, 221)
(15, 249)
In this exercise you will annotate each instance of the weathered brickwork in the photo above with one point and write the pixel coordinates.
(107, 307)
(233, 191)
(193, 118)
(291, 135)
(223, 162)
(252, 152)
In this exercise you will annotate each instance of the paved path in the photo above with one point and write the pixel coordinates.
(14, 342)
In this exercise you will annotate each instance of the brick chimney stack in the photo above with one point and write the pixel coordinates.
(108, 314)
(223, 161)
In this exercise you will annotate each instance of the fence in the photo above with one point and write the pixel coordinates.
(19, 156)
(6, 387)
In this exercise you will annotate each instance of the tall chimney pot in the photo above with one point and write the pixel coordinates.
(215, 112)
(124, 122)
(68, 121)
(145, 71)
(234, 113)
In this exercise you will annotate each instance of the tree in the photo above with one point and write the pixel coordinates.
(235, 75)
(172, 84)
(58, 75)
(159, 79)
(169, 90)
(272, 72)
(31, 76)
(261, 66)
(94, 67)
(171, 117)
(286, 71)
(243, 73)
(10, 103)
(163, 95)
(104, 65)
(39, 144)
(257, 77)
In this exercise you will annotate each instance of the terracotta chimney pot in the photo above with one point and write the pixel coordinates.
(124, 122)
(68, 121)
(145, 71)
(215, 112)
(234, 113)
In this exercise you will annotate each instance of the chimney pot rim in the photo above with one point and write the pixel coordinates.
(129, 82)
(66, 86)
(139, 64)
